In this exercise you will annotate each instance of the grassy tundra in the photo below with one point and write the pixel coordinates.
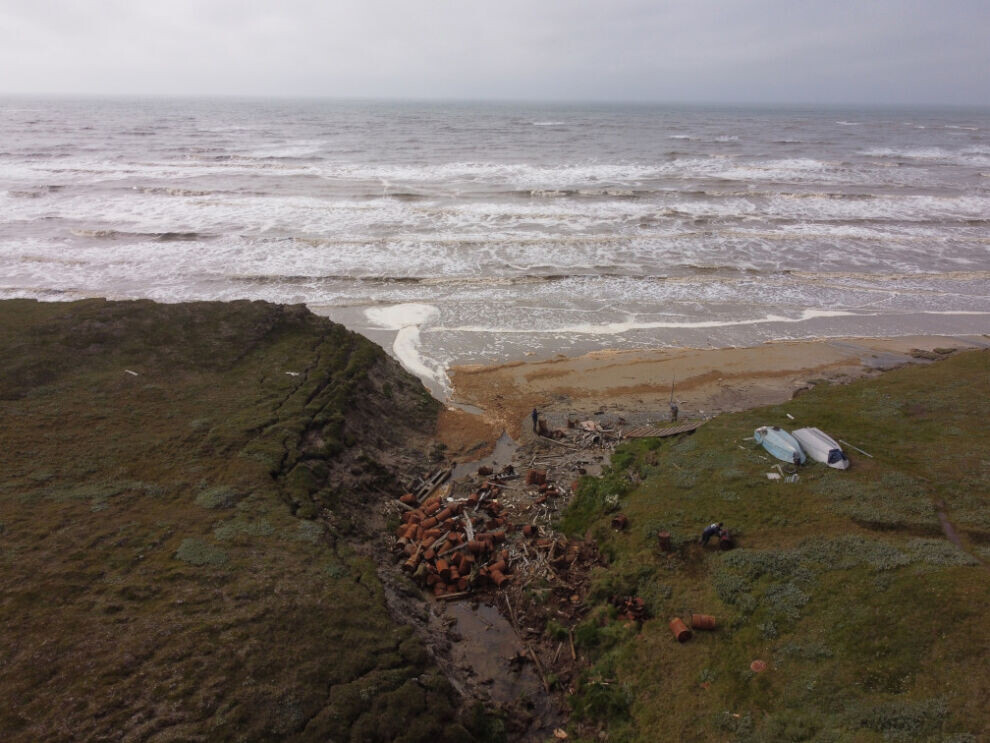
(180, 487)
(873, 624)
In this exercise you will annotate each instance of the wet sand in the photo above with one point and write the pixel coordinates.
(706, 381)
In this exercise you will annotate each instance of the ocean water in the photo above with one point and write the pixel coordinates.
(458, 233)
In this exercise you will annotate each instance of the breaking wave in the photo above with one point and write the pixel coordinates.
(155, 236)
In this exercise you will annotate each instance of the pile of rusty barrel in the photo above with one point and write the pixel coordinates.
(631, 608)
(452, 548)
(546, 488)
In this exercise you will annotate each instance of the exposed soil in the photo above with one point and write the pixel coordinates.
(705, 381)
(492, 642)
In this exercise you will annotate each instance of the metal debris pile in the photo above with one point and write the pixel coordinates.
(453, 547)
(631, 608)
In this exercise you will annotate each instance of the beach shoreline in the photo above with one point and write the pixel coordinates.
(489, 399)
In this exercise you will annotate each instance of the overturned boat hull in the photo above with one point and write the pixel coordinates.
(821, 447)
(780, 443)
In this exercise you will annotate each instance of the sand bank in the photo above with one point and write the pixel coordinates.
(706, 381)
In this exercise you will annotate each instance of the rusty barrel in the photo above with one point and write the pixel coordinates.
(665, 542)
(498, 578)
(702, 621)
(536, 477)
(680, 630)
(620, 521)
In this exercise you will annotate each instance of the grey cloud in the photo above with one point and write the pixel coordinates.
(886, 51)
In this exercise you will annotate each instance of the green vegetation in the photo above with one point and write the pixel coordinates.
(873, 623)
(157, 579)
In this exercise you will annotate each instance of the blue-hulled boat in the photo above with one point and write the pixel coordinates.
(780, 443)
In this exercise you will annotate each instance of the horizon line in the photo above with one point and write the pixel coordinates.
(768, 103)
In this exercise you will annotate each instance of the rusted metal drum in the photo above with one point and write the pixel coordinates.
(665, 542)
(498, 578)
(702, 621)
(536, 477)
(620, 521)
(680, 630)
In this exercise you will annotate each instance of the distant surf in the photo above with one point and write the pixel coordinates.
(464, 233)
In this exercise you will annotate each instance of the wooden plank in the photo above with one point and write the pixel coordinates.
(644, 432)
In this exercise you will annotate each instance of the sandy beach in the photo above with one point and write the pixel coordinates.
(489, 399)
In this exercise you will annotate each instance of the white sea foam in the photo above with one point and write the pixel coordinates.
(955, 312)
(408, 320)
(397, 317)
(521, 175)
(299, 149)
(618, 328)
(970, 156)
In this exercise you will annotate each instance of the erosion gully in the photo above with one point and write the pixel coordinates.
(491, 643)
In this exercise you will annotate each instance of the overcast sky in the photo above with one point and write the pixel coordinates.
(808, 51)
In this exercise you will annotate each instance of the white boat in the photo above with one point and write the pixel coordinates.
(779, 443)
(821, 447)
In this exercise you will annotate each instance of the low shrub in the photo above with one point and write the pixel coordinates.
(199, 553)
(904, 720)
(218, 497)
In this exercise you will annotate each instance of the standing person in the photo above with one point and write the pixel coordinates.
(710, 531)
(536, 417)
